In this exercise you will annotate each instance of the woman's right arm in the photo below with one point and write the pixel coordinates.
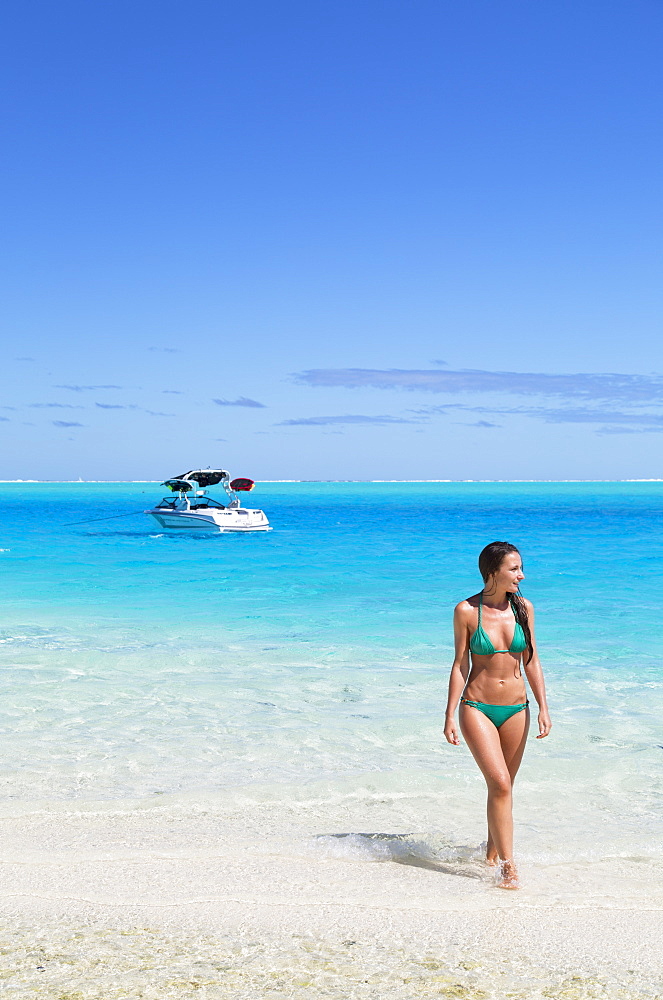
(459, 673)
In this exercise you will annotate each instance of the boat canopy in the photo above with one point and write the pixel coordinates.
(202, 477)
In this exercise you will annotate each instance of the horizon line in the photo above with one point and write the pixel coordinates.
(134, 482)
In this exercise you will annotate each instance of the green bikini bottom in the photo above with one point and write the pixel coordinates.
(498, 714)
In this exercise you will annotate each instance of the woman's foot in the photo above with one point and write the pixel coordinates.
(492, 860)
(508, 876)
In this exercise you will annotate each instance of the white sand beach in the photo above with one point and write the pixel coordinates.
(165, 904)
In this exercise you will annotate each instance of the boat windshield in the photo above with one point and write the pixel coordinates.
(196, 503)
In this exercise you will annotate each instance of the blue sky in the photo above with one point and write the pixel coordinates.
(366, 239)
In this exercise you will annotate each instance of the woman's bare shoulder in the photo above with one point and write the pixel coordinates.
(467, 607)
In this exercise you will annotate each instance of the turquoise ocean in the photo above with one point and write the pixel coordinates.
(284, 692)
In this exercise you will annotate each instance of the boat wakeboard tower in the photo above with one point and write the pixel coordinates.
(193, 510)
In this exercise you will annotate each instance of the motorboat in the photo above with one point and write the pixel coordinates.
(193, 510)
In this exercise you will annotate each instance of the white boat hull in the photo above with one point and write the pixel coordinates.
(210, 520)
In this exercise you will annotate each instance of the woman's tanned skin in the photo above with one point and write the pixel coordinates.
(496, 679)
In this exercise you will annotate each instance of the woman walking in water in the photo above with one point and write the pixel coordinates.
(494, 712)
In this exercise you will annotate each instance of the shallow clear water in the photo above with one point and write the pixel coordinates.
(289, 686)
(320, 649)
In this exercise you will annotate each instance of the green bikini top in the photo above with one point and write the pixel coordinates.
(481, 643)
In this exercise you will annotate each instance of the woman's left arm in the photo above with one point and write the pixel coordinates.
(534, 674)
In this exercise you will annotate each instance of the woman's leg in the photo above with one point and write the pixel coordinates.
(513, 737)
(497, 753)
(482, 737)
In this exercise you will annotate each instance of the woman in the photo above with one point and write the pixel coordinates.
(497, 627)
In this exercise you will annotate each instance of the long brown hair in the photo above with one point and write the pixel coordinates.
(490, 560)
